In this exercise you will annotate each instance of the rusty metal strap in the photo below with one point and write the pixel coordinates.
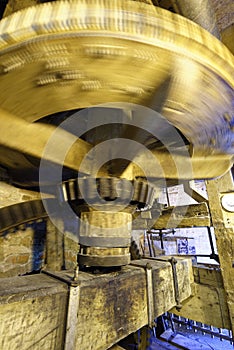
(173, 263)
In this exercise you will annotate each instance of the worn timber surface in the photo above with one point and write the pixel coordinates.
(33, 309)
(32, 313)
(208, 303)
(115, 305)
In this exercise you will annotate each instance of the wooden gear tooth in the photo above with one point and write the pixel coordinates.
(55, 63)
(72, 74)
(47, 79)
(91, 85)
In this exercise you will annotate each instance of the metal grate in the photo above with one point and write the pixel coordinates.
(178, 322)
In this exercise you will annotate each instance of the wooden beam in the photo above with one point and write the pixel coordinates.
(193, 193)
(208, 304)
(224, 232)
(43, 141)
(183, 216)
(111, 305)
(119, 301)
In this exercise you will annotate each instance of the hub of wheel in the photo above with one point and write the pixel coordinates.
(105, 207)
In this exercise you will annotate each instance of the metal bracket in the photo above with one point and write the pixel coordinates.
(173, 262)
(69, 280)
(150, 295)
(72, 318)
(73, 305)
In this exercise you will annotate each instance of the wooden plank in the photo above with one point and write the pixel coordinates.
(208, 276)
(224, 233)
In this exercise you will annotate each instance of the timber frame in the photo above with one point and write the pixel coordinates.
(53, 310)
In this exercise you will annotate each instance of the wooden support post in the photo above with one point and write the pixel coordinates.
(223, 222)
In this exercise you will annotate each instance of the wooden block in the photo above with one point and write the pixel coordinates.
(185, 278)
(32, 313)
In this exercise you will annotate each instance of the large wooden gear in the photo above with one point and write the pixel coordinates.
(65, 56)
